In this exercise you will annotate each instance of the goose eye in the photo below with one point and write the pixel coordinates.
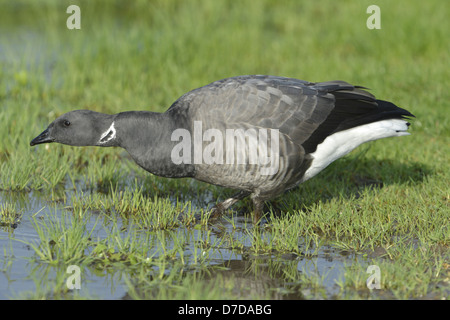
(66, 123)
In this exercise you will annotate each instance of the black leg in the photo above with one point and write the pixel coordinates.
(258, 208)
(221, 207)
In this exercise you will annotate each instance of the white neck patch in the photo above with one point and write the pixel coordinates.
(108, 134)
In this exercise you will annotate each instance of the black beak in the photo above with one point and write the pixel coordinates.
(44, 137)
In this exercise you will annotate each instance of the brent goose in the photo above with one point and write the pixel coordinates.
(257, 134)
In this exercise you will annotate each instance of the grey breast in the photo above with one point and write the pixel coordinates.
(292, 107)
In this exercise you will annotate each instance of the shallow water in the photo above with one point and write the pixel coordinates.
(22, 273)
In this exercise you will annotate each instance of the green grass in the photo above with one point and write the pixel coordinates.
(385, 204)
(9, 216)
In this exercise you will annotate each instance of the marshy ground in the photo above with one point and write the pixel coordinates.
(136, 236)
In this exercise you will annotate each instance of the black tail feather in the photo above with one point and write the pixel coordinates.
(351, 111)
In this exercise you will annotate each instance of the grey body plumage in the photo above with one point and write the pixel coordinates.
(304, 114)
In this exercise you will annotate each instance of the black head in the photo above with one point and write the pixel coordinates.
(80, 128)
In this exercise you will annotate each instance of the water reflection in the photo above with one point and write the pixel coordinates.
(220, 253)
